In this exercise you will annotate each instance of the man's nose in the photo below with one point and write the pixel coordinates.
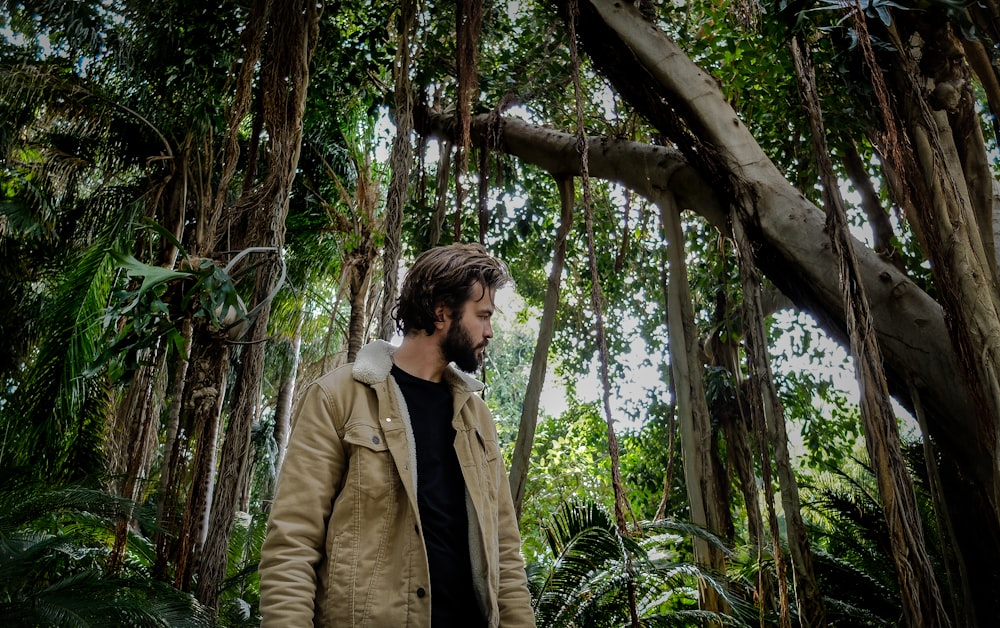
(488, 330)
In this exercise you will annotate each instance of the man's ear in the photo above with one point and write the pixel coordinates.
(439, 314)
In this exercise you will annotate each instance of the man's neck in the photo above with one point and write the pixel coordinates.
(420, 356)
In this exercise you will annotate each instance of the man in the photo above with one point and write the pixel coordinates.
(393, 507)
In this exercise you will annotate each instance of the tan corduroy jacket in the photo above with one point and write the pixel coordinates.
(344, 545)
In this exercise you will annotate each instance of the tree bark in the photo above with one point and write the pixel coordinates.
(284, 403)
(949, 198)
(201, 417)
(359, 268)
(134, 438)
(793, 250)
(401, 161)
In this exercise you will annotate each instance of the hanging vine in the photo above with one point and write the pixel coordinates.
(468, 26)
(921, 598)
(401, 161)
(596, 302)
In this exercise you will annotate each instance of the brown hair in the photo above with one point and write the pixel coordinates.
(445, 275)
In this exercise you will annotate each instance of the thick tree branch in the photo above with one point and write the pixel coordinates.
(793, 251)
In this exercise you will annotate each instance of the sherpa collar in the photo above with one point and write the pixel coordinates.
(374, 361)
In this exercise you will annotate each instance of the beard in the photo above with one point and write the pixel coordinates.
(457, 347)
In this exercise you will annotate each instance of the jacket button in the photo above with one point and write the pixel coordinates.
(375, 440)
(421, 592)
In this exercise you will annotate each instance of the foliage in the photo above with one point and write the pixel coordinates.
(54, 571)
(812, 378)
(141, 317)
(645, 459)
(569, 461)
(852, 548)
(240, 601)
(591, 566)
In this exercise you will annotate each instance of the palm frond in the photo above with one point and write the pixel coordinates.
(54, 546)
(90, 599)
(594, 567)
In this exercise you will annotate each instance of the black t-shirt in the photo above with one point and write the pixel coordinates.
(441, 499)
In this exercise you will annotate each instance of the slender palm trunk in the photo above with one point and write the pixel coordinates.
(360, 282)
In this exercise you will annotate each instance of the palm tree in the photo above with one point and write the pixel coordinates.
(854, 554)
(55, 545)
(593, 565)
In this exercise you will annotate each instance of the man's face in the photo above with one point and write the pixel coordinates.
(469, 331)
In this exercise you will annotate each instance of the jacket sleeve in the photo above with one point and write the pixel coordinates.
(513, 597)
(296, 537)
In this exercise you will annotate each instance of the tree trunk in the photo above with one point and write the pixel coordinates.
(198, 442)
(546, 329)
(723, 352)
(401, 161)
(359, 268)
(167, 498)
(235, 459)
(441, 193)
(134, 438)
(284, 404)
(948, 192)
(284, 78)
(708, 507)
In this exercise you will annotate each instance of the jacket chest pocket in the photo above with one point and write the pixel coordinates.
(486, 453)
(370, 470)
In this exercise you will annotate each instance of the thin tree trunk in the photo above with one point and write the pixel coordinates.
(546, 329)
(692, 408)
(730, 414)
(961, 607)
(360, 281)
(168, 498)
(136, 433)
(668, 475)
(623, 510)
(204, 394)
(441, 194)
(760, 394)
(235, 458)
(285, 401)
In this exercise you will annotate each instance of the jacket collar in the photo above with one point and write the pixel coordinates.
(374, 361)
